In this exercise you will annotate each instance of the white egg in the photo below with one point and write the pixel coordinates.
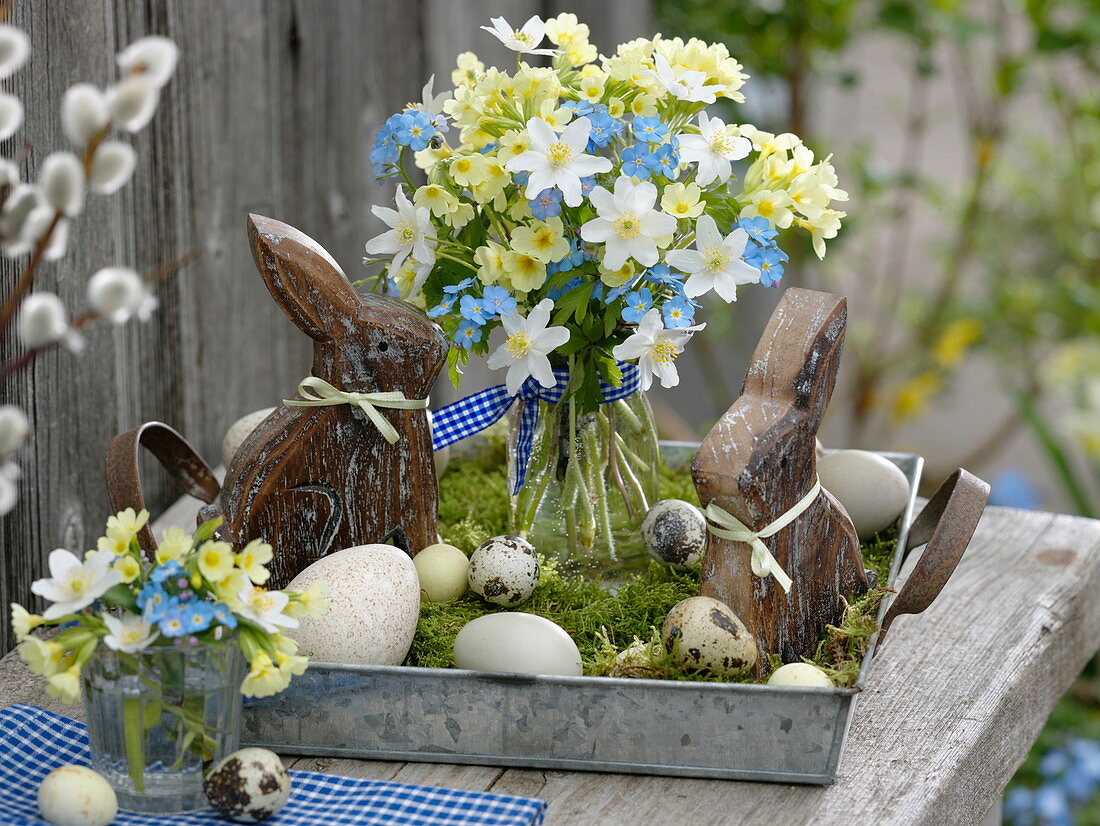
(519, 643)
(248, 786)
(443, 570)
(702, 632)
(76, 796)
(504, 570)
(241, 430)
(374, 604)
(675, 532)
(871, 488)
(800, 674)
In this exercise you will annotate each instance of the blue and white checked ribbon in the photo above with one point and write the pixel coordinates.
(34, 741)
(476, 412)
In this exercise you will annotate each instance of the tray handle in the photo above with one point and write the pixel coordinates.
(945, 525)
(193, 476)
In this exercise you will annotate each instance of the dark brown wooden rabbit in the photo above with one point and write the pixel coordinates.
(759, 461)
(312, 480)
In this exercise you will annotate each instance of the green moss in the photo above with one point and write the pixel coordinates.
(473, 505)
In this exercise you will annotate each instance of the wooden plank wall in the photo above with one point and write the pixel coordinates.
(272, 110)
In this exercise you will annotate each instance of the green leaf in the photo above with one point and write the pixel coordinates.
(573, 301)
(120, 596)
(207, 528)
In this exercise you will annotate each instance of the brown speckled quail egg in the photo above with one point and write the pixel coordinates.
(504, 570)
(675, 532)
(702, 632)
(248, 786)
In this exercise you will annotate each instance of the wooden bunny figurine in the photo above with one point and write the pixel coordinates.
(759, 461)
(316, 479)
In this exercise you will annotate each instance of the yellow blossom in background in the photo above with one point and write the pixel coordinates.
(468, 71)
(290, 665)
(557, 116)
(913, 397)
(264, 679)
(252, 558)
(955, 340)
(616, 278)
(436, 199)
(65, 685)
(175, 543)
(461, 216)
(615, 107)
(542, 240)
(426, 159)
(128, 568)
(773, 204)
(121, 529)
(581, 53)
(683, 200)
(216, 561)
(230, 589)
(591, 89)
(489, 261)
(23, 622)
(469, 170)
(824, 227)
(42, 658)
(644, 105)
(525, 272)
(312, 602)
(565, 30)
(513, 143)
(284, 643)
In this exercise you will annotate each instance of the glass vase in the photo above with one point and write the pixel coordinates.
(590, 479)
(158, 719)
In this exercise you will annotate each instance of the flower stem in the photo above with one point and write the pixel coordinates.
(133, 732)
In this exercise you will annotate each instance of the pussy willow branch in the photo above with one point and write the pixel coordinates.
(25, 360)
(26, 280)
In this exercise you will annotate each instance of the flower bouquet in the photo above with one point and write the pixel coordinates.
(586, 208)
(157, 646)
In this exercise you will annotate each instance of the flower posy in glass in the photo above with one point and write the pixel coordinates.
(163, 649)
(586, 207)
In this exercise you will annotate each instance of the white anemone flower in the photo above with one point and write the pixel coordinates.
(76, 584)
(525, 350)
(119, 294)
(525, 40)
(152, 57)
(130, 635)
(627, 225)
(656, 349)
(715, 263)
(430, 102)
(15, 48)
(411, 233)
(265, 608)
(559, 162)
(713, 149)
(686, 85)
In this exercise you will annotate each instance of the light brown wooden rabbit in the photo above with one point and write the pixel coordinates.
(312, 480)
(759, 460)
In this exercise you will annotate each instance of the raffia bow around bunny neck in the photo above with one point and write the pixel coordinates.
(317, 392)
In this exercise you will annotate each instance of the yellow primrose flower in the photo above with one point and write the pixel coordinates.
(426, 159)
(496, 181)
(490, 265)
(291, 665)
(284, 643)
(252, 559)
(468, 71)
(512, 144)
(462, 215)
(312, 602)
(121, 529)
(592, 70)
(773, 204)
(565, 30)
(128, 568)
(616, 278)
(683, 200)
(175, 543)
(524, 271)
(542, 240)
(822, 228)
(216, 561)
(23, 622)
(644, 105)
(474, 139)
(65, 685)
(615, 107)
(469, 170)
(955, 340)
(42, 658)
(264, 679)
(591, 89)
(435, 198)
(557, 116)
(913, 397)
(229, 589)
(581, 53)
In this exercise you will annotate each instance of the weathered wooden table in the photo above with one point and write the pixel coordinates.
(954, 701)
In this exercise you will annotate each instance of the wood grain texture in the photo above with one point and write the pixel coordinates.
(313, 480)
(952, 705)
(759, 460)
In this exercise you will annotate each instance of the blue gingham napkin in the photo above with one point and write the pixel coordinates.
(34, 741)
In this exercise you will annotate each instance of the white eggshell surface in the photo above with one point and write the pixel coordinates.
(871, 488)
(800, 674)
(374, 603)
(241, 430)
(517, 643)
(76, 796)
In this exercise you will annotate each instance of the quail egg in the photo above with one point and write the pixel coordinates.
(504, 570)
(248, 786)
(702, 632)
(800, 674)
(675, 532)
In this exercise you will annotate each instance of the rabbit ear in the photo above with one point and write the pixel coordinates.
(302, 277)
(796, 362)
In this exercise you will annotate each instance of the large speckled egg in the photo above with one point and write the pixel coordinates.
(444, 572)
(241, 430)
(76, 796)
(702, 632)
(675, 532)
(374, 603)
(504, 570)
(248, 786)
(871, 488)
(800, 674)
(518, 643)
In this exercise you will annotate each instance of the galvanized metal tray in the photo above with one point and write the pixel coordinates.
(688, 729)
